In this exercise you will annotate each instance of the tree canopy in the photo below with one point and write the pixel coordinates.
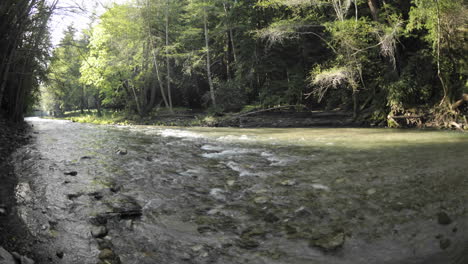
(371, 57)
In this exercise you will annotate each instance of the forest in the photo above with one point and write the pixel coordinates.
(376, 59)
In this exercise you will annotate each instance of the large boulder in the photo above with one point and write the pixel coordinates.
(6, 257)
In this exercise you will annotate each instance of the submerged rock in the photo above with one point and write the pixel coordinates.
(103, 243)
(443, 218)
(329, 242)
(122, 152)
(123, 206)
(445, 243)
(247, 243)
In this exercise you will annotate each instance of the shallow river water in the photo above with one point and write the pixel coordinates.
(114, 194)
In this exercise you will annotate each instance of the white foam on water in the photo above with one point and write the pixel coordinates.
(190, 172)
(218, 194)
(276, 160)
(211, 148)
(233, 138)
(178, 133)
(228, 153)
(243, 171)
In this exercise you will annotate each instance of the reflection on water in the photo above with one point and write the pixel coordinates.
(226, 195)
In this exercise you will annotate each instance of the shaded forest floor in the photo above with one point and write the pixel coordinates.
(14, 236)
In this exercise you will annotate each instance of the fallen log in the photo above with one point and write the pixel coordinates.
(460, 102)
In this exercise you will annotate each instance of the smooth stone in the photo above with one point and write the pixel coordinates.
(99, 231)
(3, 211)
(6, 257)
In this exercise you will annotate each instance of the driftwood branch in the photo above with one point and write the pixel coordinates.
(405, 116)
(262, 110)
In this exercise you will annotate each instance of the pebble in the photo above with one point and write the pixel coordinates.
(99, 231)
(3, 211)
(59, 254)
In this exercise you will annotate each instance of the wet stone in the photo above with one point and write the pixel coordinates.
(443, 218)
(371, 191)
(289, 182)
(5, 257)
(3, 211)
(99, 231)
(445, 243)
(71, 173)
(98, 220)
(247, 243)
(103, 243)
(106, 254)
(73, 196)
(124, 206)
(21, 259)
(271, 218)
(122, 152)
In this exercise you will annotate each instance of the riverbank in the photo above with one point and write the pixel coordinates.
(277, 117)
(14, 237)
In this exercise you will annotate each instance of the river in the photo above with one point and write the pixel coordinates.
(140, 194)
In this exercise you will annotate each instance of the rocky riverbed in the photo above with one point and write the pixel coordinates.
(112, 194)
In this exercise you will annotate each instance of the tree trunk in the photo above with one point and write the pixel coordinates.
(168, 62)
(374, 8)
(208, 60)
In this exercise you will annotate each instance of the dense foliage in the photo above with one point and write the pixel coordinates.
(372, 57)
(23, 53)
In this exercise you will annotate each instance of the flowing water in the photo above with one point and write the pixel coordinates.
(227, 195)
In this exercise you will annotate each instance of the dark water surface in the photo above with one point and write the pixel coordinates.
(206, 195)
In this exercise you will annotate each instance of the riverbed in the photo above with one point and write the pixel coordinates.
(144, 194)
